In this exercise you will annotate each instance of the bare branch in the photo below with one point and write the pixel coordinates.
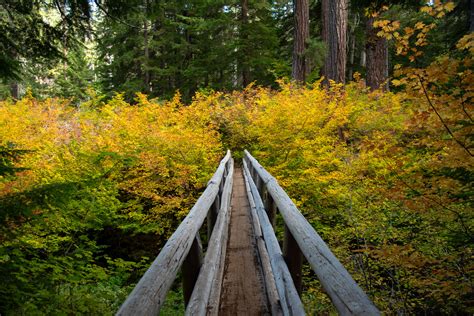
(441, 119)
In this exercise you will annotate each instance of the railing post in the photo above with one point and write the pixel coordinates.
(212, 215)
(191, 267)
(221, 185)
(254, 175)
(270, 208)
(261, 188)
(293, 259)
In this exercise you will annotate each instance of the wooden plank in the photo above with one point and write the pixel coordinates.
(290, 301)
(210, 277)
(212, 215)
(191, 267)
(346, 295)
(149, 294)
(214, 296)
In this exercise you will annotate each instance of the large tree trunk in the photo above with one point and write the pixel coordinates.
(244, 38)
(377, 58)
(300, 67)
(335, 37)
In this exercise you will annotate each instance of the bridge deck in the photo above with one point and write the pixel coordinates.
(243, 289)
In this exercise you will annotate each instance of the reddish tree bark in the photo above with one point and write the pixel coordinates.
(377, 58)
(300, 65)
(335, 37)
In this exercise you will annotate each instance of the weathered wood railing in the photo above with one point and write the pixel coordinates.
(300, 239)
(184, 249)
(285, 300)
(202, 281)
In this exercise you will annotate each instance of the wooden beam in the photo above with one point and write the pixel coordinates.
(271, 290)
(289, 298)
(346, 295)
(212, 215)
(149, 294)
(208, 284)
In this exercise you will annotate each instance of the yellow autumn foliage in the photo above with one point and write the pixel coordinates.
(370, 171)
(148, 148)
(374, 172)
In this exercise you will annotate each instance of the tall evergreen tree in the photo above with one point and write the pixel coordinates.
(158, 47)
(300, 69)
(334, 18)
(258, 42)
(377, 57)
(27, 35)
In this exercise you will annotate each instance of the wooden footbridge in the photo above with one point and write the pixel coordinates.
(243, 270)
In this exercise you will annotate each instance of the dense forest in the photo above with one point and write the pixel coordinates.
(115, 114)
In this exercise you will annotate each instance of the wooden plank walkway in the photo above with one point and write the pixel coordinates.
(244, 271)
(243, 289)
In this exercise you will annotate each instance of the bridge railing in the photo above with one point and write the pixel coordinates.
(184, 250)
(302, 240)
(282, 294)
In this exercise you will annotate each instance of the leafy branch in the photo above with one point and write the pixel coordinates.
(441, 118)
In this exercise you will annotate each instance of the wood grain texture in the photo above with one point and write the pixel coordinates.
(300, 62)
(334, 34)
(346, 295)
(243, 286)
(210, 277)
(289, 298)
(270, 286)
(212, 215)
(149, 294)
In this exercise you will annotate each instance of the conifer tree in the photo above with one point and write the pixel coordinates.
(334, 16)
(301, 38)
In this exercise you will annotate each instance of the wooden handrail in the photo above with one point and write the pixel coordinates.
(288, 295)
(149, 294)
(209, 282)
(346, 295)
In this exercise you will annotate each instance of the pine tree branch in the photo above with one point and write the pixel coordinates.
(115, 18)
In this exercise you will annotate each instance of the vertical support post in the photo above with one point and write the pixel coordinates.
(271, 208)
(191, 267)
(221, 186)
(212, 215)
(254, 175)
(293, 259)
(226, 170)
(262, 188)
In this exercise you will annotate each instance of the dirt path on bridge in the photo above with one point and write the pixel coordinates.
(242, 286)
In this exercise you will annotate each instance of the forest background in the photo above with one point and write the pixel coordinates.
(114, 115)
